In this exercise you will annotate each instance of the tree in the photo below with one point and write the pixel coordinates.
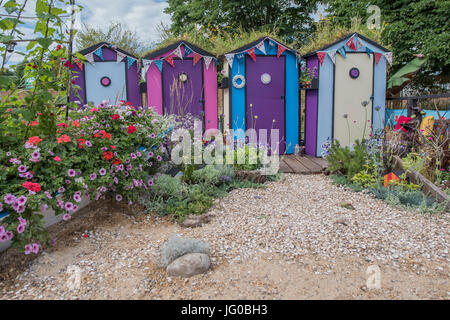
(411, 27)
(291, 18)
(116, 33)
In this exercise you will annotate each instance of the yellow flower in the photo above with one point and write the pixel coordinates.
(256, 117)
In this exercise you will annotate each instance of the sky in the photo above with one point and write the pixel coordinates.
(142, 16)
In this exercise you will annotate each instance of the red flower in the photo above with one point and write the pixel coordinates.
(63, 139)
(108, 155)
(34, 140)
(62, 125)
(76, 124)
(35, 187)
(59, 47)
(131, 129)
(402, 120)
(117, 161)
(58, 159)
(115, 117)
(113, 147)
(68, 64)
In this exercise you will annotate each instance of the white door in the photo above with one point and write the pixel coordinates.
(105, 81)
(353, 86)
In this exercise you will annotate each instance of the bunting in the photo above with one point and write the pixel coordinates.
(130, 62)
(332, 55)
(280, 50)
(120, 56)
(251, 53)
(342, 52)
(358, 43)
(377, 57)
(169, 60)
(230, 59)
(197, 58)
(159, 64)
(369, 51)
(146, 64)
(177, 52)
(388, 56)
(99, 53)
(90, 57)
(351, 43)
(261, 47)
(321, 56)
(187, 51)
(80, 65)
(207, 61)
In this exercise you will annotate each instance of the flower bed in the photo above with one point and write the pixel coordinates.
(100, 151)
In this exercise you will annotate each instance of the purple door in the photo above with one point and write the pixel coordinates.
(265, 96)
(183, 88)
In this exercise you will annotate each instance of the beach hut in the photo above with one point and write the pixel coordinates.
(263, 90)
(109, 74)
(346, 101)
(182, 79)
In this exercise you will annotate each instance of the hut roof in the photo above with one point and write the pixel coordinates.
(173, 46)
(101, 44)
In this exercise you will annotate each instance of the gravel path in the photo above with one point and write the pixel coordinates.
(291, 240)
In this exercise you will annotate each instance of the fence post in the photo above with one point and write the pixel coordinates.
(412, 103)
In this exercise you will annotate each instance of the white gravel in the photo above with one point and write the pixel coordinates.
(262, 241)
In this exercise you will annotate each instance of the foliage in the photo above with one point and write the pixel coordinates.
(177, 247)
(367, 177)
(292, 18)
(330, 29)
(346, 161)
(342, 181)
(410, 27)
(98, 152)
(208, 175)
(116, 33)
(168, 187)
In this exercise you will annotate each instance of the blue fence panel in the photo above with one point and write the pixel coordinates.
(392, 113)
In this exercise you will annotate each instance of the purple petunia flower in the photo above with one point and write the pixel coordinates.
(22, 221)
(119, 198)
(21, 200)
(44, 207)
(150, 155)
(9, 235)
(75, 208)
(88, 144)
(150, 182)
(60, 204)
(150, 164)
(28, 249)
(61, 190)
(36, 247)
(67, 217)
(68, 181)
(133, 156)
(102, 171)
(29, 175)
(35, 155)
(8, 154)
(77, 198)
(22, 169)
(116, 181)
(121, 167)
(126, 174)
(20, 209)
(20, 228)
(129, 167)
(71, 173)
(103, 189)
(93, 176)
(153, 136)
(68, 206)
(47, 193)
(159, 158)
(139, 154)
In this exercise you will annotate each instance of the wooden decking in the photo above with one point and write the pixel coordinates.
(303, 164)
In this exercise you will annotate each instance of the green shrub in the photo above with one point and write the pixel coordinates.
(340, 180)
(366, 178)
(345, 161)
(168, 187)
(208, 175)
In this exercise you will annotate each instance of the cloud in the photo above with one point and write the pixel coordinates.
(141, 16)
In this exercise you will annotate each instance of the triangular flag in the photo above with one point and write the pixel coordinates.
(159, 64)
(130, 61)
(147, 64)
(90, 57)
(369, 51)
(280, 51)
(197, 57)
(99, 53)
(252, 54)
(388, 56)
(120, 56)
(177, 52)
(261, 47)
(240, 55)
(358, 43)
(80, 65)
(187, 51)
(321, 56)
(377, 57)
(342, 52)
(230, 58)
(351, 43)
(169, 60)
(207, 61)
(332, 55)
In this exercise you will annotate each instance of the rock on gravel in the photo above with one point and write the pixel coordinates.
(189, 265)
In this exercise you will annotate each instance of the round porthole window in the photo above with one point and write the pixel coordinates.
(105, 81)
(354, 73)
(183, 77)
(266, 78)
(238, 81)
